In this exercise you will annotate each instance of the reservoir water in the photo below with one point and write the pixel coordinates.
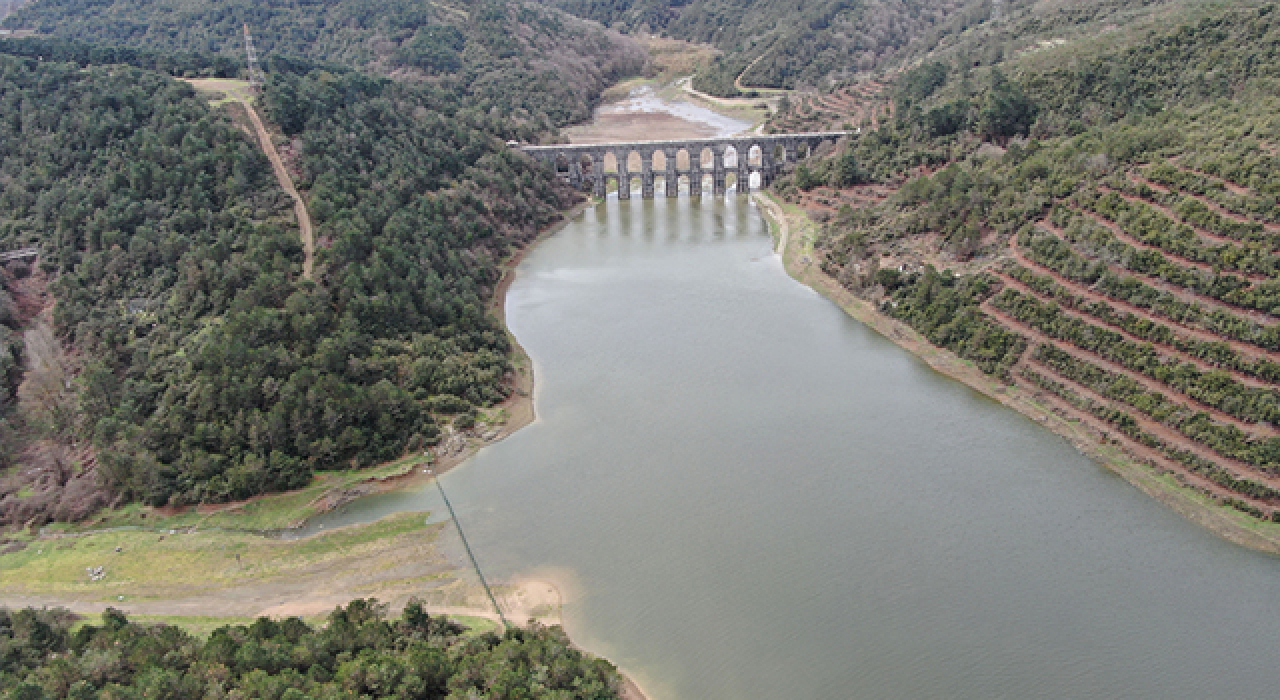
(743, 493)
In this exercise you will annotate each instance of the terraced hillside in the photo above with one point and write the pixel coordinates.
(1101, 234)
(864, 104)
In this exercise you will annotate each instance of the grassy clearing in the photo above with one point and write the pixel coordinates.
(142, 564)
(220, 91)
(477, 625)
(262, 514)
(674, 58)
(200, 627)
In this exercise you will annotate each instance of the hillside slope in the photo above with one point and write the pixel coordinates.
(1095, 222)
(191, 359)
(774, 44)
(530, 62)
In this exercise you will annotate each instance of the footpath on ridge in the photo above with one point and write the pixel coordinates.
(286, 182)
(238, 91)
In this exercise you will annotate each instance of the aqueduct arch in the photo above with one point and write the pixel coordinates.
(754, 159)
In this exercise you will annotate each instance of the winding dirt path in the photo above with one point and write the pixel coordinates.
(737, 82)
(286, 182)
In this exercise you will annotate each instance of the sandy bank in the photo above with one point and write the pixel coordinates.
(794, 233)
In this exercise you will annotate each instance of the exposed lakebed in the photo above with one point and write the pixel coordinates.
(643, 116)
(743, 493)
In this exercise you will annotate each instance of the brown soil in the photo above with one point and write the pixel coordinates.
(1231, 186)
(1181, 293)
(30, 292)
(1243, 349)
(1225, 213)
(54, 478)
(1206, 235)
(1124, 237)
(1115, 368)
(1166, 349)
(1106, 432)
(1160, 430)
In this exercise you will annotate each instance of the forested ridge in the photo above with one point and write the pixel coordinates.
(357, 653)
(1094, 220)
(528, 63)
(779, 44)
(210, 369)
(193, 363)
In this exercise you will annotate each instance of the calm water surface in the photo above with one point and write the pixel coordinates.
(746, 494)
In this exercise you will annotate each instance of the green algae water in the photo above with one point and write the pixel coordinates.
(747, 494)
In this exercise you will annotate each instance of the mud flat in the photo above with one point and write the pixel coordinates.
(645, 116)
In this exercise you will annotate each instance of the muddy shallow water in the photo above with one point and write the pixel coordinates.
(645, 117)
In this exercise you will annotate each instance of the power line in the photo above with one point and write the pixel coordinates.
(470, 555)
(255, 73)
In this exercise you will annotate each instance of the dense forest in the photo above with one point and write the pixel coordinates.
(211, 370)
(357, 653)
(189, 361)
(523, 60)
(779, 44)
(1094, 222)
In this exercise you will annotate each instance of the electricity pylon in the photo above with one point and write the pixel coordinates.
(255, 73)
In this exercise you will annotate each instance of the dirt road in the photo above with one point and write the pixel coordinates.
(286, 182)
(239, 91)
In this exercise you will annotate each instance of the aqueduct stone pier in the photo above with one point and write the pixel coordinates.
(741, 157)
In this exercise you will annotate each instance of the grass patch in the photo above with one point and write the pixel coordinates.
(263, 514)
(477, 626)
(220, 91)
(142, 564)
(201, 627)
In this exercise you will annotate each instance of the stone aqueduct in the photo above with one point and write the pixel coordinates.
(742, 157)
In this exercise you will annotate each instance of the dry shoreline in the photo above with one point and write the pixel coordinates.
(794, 232)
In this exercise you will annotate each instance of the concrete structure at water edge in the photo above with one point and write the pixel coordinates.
(754, 160)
